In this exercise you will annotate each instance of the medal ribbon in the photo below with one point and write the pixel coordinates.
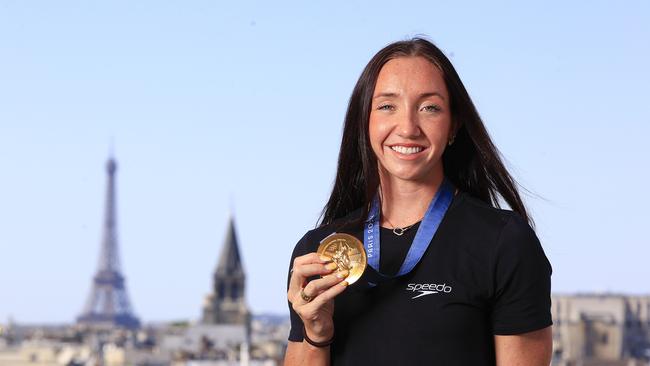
(428, 227)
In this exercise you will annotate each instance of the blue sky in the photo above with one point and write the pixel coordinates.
(217, 107)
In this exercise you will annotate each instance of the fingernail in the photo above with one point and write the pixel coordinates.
(342, 274)
(331, 266)
(345, 283)
(325, 259)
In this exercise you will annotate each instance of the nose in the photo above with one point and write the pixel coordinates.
(408, 125)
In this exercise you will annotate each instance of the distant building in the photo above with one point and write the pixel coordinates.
(601, 329)
(226, 304)
(223, 332)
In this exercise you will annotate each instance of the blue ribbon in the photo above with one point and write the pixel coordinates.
(428, 227)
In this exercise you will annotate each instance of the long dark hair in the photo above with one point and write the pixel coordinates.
(472, 162)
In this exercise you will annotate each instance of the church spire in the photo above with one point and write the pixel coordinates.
(226, 304)
(230, 260)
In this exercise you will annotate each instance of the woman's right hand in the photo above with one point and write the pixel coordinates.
(316, 309)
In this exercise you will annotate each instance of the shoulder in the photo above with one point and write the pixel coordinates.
(511, 229)
(312, 238)
(482, 217)
(494, 229)
(518, 244)
(506, 237)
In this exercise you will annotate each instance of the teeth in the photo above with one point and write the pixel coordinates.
(406, 150)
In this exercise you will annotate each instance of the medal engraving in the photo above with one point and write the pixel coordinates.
(347, 252)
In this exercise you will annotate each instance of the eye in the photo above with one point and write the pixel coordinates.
(431, 108)
(386, 107)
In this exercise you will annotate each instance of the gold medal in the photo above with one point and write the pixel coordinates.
(347, 252)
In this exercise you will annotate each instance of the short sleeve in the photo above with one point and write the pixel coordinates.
(522, 281)
(295, 333)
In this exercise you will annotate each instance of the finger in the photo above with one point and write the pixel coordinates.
(305, 259)
(302, 272)
(328, 295)
(315, 269)
(316, 287)
(309, 258)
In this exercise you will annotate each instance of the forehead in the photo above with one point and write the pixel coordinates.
(413, 73)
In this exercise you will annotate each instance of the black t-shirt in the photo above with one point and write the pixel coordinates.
(484, 274)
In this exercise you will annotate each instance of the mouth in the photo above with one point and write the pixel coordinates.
(407, 149)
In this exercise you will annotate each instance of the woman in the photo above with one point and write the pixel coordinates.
(416, 159)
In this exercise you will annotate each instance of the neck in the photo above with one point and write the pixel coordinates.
(404, 202)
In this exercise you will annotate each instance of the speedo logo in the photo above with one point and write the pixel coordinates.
(425, 289)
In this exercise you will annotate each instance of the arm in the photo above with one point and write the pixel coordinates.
(316, 315)
(526, 349)
(521, 316)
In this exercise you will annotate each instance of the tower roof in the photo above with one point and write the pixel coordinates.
(230, 260)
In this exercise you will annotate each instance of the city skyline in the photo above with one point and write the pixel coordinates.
(240, 108)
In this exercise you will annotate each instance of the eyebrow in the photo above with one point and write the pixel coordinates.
(423, 95)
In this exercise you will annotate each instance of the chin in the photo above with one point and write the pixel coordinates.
(415, 174)
(408, 176)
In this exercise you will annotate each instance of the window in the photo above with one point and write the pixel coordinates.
(234, 291)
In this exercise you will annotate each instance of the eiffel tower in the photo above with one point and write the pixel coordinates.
(108, 305)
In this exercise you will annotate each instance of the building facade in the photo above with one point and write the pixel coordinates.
(600, 329)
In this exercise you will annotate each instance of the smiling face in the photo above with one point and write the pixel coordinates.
(410, 121)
